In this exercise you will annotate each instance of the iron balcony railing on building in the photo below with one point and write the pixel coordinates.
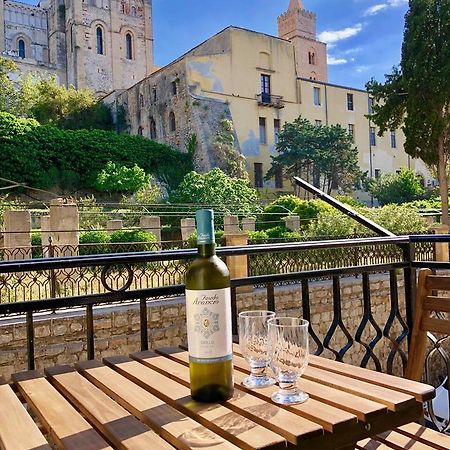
(274, 101)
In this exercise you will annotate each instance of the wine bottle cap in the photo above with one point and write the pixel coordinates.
(205, 226)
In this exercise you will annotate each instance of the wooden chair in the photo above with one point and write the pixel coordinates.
(413, 435)
(426, 302)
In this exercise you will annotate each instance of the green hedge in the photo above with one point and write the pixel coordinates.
(72, 159)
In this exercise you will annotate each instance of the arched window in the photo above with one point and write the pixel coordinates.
(99, 35)
(313, 76)
(133, 11)
(21, 46)
(152, 128)
(128, 46)
(312, 58)
(122, 8)
(172, 123)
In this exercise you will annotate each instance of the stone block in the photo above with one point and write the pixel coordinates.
(248, 224)
(152, 224)
(41, 331)
(187, 228)
(231, 225)
(114, 225)
(60, 329)
(17, 234)
(76, 327)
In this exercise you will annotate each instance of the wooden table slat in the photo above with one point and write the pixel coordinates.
(439, 441)
(178, 429)
(363, 408)
(270, 416)
(330, 418)
(420, 391)
(67, 428)
(121, 428)
(237, 429)
(398, 440)
(18, 430)
(394, 400)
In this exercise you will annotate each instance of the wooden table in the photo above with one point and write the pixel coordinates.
(143, 402)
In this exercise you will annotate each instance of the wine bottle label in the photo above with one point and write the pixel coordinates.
(208, 315)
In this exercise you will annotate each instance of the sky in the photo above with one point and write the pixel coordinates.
(364, 36)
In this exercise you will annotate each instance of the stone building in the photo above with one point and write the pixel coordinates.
(103, 45)
(258, 82)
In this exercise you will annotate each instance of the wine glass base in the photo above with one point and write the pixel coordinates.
(253, 382)
(289, 398)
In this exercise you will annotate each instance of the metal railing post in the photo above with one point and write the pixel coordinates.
(409, 277)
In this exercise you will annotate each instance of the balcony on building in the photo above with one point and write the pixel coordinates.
(274, 101)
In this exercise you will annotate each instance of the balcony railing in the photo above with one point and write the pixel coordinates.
(274, 101)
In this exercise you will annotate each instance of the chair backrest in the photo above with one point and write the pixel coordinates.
(427, 301)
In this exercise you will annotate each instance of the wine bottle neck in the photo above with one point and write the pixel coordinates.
(206, 250)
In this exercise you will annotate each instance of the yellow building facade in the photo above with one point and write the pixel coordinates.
(252, 79)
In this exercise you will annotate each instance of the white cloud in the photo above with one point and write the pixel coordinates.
(375, 9)
(339, 35)
(333, 61)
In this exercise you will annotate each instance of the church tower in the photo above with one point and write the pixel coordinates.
(299, 26)
(106, 44)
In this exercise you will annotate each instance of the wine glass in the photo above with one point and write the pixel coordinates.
(253, 344)
(288, 352)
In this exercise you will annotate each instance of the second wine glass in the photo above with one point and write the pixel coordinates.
(253, 344)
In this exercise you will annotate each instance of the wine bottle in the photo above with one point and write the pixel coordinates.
(208, 313)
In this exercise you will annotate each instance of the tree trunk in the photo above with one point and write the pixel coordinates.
(443, 183)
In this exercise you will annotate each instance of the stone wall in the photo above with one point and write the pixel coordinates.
(60, 338)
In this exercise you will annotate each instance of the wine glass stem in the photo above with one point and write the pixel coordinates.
(287, 388)
(257, 372)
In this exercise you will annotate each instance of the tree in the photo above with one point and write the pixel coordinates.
(416, 95)
(115, 178)
(396, 188)
(324, 155)
(68, 108)
(225, 194)
(8, 92)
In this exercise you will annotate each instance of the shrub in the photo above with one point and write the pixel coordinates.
(258, 237)
(332, 224)
(226, 195)
(36, 243)
(101, 238)
(47, 155)
(276, 232)
(350, 201)
(288, 205)
(92, 215)
(142, 241)
(396, 188)
(115, 178)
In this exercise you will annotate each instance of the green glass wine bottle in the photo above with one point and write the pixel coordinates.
(208, 313)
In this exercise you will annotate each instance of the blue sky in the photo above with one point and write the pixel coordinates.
(364, 36)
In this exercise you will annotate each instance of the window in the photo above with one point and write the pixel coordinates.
(141, 100)
(258, 168)
(278, 178)
(265, 84)
(317, 96)
(174, 88)
(351, 130)
(155, 96)
(262, 131)
(370, 105)
(318, 123)
(21, 45)
(99, 35)
(373, 136)
(276, 129)
(133, 11)
(122, 8)
(172, 122)
(350, 105)
(152, 128)
(140, 131)
(393, 139)
(128, 46)
(377, 173)
(312, 58)
(313, 76)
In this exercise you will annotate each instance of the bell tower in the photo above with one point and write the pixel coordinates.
(299, 26)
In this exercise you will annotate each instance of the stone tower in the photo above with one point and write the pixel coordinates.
(299, 26)
(104, 44)
(2, 26)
